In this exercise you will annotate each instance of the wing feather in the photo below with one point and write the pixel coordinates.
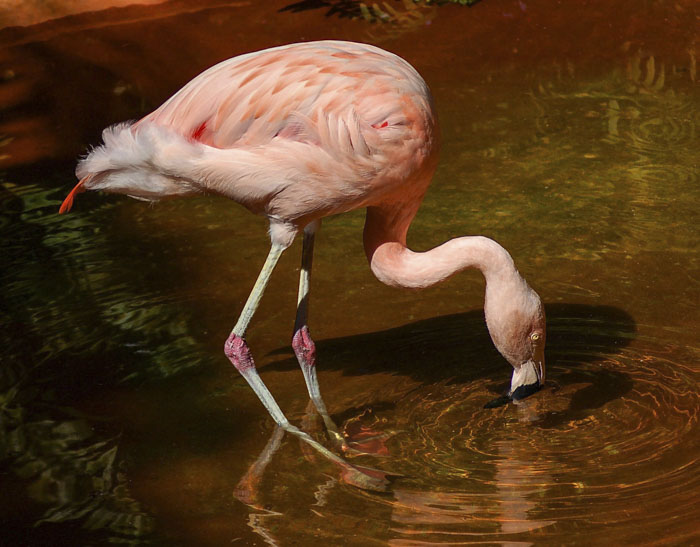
(250, 98)
(286, 125)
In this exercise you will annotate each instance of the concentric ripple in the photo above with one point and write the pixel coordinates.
(610, 442)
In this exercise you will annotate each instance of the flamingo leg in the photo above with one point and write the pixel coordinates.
(303, 345)
(236, 349)
(255, 295)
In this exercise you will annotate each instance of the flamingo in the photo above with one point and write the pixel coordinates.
(300, 132)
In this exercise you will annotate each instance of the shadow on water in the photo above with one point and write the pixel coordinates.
(441, 437)
(456, 349)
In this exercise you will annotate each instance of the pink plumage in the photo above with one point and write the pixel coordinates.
(300, 132)
(296, 132)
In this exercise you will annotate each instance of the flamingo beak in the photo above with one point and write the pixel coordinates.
(77, 189)
(528, 378)
(539, 363)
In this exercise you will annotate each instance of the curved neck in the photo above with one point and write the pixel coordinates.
(396, 265)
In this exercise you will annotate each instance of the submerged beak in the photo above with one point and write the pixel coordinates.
(77, 189)
(527, 379)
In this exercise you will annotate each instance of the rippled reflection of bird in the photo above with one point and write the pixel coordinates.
(298, 133)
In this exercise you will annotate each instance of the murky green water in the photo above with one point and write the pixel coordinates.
(570, 135)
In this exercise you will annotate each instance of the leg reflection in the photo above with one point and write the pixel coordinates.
(247, 489)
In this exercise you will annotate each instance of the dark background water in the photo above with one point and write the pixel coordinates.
(570, 135)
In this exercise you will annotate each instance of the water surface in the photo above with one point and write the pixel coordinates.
(570, 135)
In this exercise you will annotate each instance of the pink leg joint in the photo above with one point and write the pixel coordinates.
(238, 353)
(304, 346)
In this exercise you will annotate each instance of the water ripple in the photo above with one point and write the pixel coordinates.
(608, 440)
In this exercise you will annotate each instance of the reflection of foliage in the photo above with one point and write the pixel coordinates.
(382, 12)
(652, 127)
(76, 477)
(74, 318)
(610, 161)
(70, 473)
(68, 293)
(395, 17)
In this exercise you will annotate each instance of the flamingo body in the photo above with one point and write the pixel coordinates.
(295, 133)
(300, 132)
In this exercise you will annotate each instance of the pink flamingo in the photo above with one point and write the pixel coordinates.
(300, 132)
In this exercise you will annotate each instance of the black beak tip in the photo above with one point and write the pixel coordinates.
(518, 395)
(498, 401)
(521, 392)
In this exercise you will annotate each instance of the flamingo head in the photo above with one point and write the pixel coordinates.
(516, 322)
(143, 162)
